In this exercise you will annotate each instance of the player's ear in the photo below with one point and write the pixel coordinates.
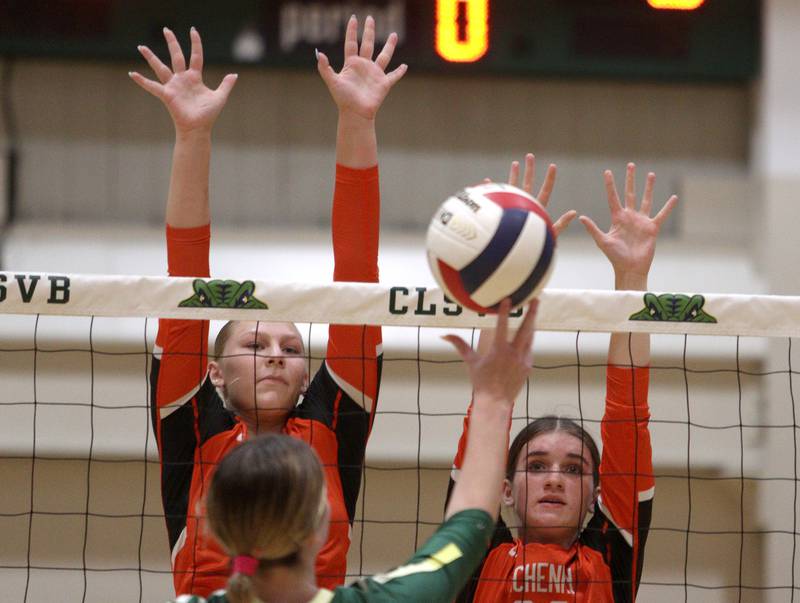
(508, 495)
(304, 386)
(595, 495)
(215, 374)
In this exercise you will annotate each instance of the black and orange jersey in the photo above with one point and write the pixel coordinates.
(195, 430)
(605, 563)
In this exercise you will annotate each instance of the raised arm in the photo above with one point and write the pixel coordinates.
(194, 108)
(497, 376)
(181, 397)
(487, 335)
(626, 467)
(358, 90)
(630, 245)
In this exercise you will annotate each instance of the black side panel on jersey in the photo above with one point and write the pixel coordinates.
(177, 444)
(348, 420)
(603, 536)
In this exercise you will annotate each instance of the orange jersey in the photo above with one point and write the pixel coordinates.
(194, 429)
(605, 563)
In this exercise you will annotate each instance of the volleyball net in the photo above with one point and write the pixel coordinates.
(80, 508)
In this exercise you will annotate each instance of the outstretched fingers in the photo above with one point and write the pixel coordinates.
(647, 198)
(368, 39)
(150, 86)
(385, 56)
(501, 330)
(529, 173)
(462, 347)
(630, 186)
(196, 56)
(666, 210)
(561, 224)
(513, 174)
(162, 72)
(523, 340)
(614, 204)
(593, 230)
(175, 52)
(547, 186)
(351, 38)
(226, 85)
(395, 75)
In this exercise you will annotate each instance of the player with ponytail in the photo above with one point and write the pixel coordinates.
(268, 508)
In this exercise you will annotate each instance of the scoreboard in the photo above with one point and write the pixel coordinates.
(703, 40)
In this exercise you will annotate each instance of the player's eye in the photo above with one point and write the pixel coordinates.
(291, 350)
(573, 469)
(536, 466)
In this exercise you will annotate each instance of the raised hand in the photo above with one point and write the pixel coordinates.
(363, 83)
(498, 371)
(191, 104)
(543, 196)
(630, 243)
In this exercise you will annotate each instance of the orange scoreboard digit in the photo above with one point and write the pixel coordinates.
(462, 30)
(462, 26)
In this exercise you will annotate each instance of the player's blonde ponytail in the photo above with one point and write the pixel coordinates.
(266, 499)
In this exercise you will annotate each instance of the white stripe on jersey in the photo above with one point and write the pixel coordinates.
(178, 546)
(167, 409)
(357, 396)
(625, 533)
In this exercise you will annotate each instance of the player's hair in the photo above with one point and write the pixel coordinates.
(549, 424)
(225, 334)
(266, 498)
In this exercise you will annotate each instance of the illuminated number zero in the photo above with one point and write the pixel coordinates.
(462, 30)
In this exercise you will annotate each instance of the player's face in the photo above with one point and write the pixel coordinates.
(263, 372)
(552, 488)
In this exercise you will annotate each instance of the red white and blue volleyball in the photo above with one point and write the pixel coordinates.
(489, 242)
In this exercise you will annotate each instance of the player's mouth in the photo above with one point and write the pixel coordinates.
(275, 379)
(552, 501)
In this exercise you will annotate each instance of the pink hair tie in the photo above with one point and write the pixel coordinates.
(245, 564)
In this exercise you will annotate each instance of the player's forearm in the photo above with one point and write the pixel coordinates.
(626, 349)
(187, 203)
(356, 141)
(481, 478)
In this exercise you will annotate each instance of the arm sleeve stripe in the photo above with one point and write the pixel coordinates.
(435, 562)
(167, 409)
(647, 494)
(625, 533)
(359, 397)
(178, 546)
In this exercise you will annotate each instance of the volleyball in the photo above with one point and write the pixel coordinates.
(489, 242)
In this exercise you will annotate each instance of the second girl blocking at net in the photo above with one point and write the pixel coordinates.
(204, 407)
(556, 479)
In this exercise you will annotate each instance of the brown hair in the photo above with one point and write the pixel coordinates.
(550, 424)
(266, 498)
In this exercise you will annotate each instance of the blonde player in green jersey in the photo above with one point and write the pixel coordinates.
(268, 507)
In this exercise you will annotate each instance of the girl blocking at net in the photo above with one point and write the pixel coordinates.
(555, 476)
(203, 409)
(268, 507)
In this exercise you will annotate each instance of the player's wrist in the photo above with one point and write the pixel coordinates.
(630, 280)
(356, 120)
(193, 134)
